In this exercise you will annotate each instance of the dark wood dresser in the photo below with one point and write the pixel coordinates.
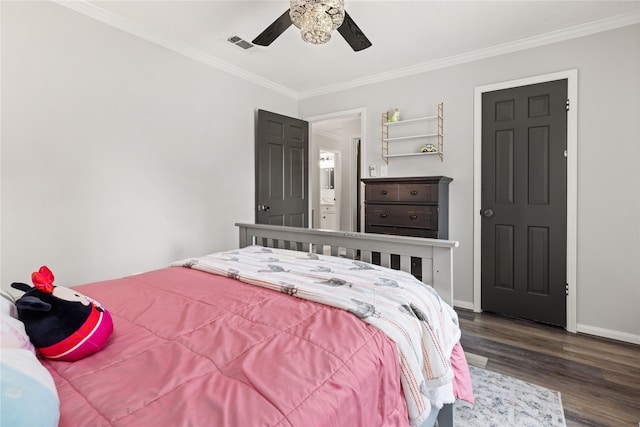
(416, 206)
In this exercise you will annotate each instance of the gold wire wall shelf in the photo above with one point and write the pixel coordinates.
(432, 149)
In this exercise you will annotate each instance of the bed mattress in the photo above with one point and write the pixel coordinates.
(192, 349)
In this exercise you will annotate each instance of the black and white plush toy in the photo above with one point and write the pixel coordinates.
(61, 323)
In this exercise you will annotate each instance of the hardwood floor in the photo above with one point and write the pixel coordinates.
(598, 378)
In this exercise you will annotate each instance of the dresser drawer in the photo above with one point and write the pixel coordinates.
(406, 216)
(381, 192)
(399, 231)
(418, 193)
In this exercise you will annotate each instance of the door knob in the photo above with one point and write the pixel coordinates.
(263, 208)
(487, 213)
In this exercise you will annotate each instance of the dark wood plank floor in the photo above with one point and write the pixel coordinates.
(598, 378)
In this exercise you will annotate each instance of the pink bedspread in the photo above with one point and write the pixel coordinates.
(195, 349)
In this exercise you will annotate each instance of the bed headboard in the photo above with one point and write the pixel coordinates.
(436, 255)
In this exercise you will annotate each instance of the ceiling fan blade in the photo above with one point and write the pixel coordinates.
(353, 34)
(274, 30)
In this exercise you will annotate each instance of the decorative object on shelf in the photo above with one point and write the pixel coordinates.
(395, 117)
(426, 149)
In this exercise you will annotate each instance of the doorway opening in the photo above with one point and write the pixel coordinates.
(335, 136)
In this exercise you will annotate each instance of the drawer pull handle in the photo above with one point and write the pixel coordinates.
(384, 192)
(384, 215)
(414, 193)
(414, 217)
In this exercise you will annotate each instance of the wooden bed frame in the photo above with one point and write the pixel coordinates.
(436, 256)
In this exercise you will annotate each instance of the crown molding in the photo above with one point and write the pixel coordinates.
(102, 15)
(569, 33)
(109, 18)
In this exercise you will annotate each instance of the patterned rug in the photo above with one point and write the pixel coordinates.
(503, 401)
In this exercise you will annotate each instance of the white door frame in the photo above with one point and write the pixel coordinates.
(572, 183)
(352, 196)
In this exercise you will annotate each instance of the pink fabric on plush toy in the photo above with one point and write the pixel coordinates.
(62, 323)
(91, 337)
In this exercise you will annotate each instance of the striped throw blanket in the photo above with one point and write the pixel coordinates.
(410, 313)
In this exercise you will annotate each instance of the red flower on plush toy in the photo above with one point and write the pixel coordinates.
(61, 323)
(43, 279)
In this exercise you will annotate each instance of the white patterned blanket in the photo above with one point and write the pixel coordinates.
(410, 313)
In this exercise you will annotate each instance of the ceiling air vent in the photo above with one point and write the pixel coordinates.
(240, 42)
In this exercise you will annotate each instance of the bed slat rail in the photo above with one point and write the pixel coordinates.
(436, 255)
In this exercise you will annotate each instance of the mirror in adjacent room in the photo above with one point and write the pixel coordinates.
(327, 190)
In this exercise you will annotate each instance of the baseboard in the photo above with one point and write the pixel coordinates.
(608, 333)
(585, 329)
(463, 304)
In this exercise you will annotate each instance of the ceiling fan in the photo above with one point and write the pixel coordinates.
(316, 20)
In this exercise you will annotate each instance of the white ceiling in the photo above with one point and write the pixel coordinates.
(407, 36)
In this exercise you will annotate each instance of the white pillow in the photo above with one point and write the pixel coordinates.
(7, 305)
(28, 393)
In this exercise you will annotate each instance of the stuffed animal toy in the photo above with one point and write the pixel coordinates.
(61, 323)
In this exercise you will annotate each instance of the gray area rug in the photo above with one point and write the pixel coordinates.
(503, 401)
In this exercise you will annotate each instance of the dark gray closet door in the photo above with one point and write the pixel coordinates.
(524, 201)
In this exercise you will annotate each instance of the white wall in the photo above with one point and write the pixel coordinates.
(117, 155)
(608, 282)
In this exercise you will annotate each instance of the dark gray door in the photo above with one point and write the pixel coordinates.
(282, 170)
(524, 199)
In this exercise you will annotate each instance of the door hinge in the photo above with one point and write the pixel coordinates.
(566, 288)
(567, 104)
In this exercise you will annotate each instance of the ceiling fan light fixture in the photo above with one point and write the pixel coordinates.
(316, 27)
(317, 18)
